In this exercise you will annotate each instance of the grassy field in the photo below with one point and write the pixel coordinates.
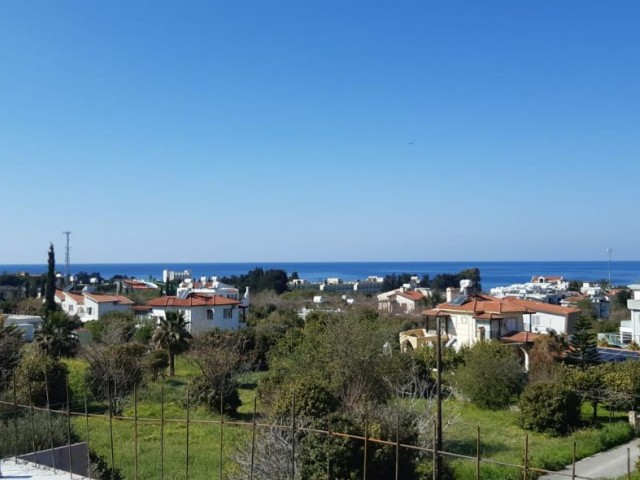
(502, 440)
(163, 449)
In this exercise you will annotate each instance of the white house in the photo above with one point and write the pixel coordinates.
(401, 300)
(544, 317)
(630, 329)
(467, 319)
(207, 286)
(202, 312)
(91, 306)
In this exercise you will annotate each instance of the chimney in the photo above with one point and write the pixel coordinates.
(451, 292)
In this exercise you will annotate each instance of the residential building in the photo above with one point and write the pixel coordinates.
(209, 286)
(630, 329)
(89, 306)
(203, 312)
(546, 318)
(471, 318)
(402, 300)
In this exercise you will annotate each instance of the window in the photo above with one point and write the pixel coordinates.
(210, 314)
(89, 310)
(227, 313)
(71, 308)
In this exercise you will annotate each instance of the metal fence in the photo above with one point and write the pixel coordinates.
(78, 413)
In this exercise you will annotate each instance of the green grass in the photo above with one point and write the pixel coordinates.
(163, 447)
(502, 440)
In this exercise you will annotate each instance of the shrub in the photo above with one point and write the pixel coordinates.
(37, 372)
(549, 408)
(156, 363)
(311, 399)
(34, 429)
(491, 375)
(203, 392)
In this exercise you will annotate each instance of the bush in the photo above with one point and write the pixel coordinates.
(203, 392)
(491, 375)
(156, 363)
(114, 369)
(34, 429)
(549, 408)
(311, 399)
(34, 374)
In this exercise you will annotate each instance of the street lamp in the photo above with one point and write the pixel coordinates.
(609, 250)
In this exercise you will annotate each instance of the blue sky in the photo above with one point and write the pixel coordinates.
(316, 131)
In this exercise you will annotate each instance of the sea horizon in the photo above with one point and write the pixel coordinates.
(493, 273)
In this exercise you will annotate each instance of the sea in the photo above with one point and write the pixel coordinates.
(493, 274)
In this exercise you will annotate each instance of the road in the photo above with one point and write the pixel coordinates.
(603, 465)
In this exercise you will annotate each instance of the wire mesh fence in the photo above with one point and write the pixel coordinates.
(178, 443)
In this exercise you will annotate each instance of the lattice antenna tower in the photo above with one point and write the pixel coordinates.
(67, 258)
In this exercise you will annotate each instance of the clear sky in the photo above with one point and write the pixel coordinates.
(255, 130)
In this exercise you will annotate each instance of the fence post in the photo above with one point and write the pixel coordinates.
(221, 429)
(86, 418)
(33, 425)
(397, 447)
(113, 456)
(329, 439)
(366, 445)
(629, 463)
(253, 437)
(69, 426)
(188, 422)
(135, 429)
(162, 432)
(525, 470)
(478, 452)
(15, 419)
(573, 462)
(46, 391)
(293, 436)
(434, 467)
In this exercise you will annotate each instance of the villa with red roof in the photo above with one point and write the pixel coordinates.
(401, 300)
(203, 312)
(91, 306)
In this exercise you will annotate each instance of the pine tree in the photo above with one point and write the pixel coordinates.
(583, 348)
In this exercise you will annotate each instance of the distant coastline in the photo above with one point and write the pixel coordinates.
(493, 273)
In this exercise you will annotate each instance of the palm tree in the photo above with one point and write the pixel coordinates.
(55, 336)
(172, 335)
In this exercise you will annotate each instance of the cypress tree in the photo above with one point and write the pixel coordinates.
(50, 291)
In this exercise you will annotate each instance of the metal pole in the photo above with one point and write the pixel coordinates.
(573, 462)
(69, 426)
(46, 390)
(33, 425)
(86, 417)
(293, 436)
(366, 445)
(478, 452)
(609, 250)
(162, 432)
(253, 437)
(221, 429)
(525, 470)
(397, 447)
(188, 421)
(628, 463)
(113, 456)
(15, 420)
(439, 399)
(135, 429)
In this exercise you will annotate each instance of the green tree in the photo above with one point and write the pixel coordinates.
(172, 335)
(491, 375)
(50, 291)
(39, 375)
(10, 352)
(583, 349)
(56, 337)
(551, 408)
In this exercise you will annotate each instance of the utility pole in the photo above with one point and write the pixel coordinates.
(67, 258)
(438, 464)
(609, 250)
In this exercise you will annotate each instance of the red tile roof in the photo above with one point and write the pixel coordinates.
(521, 337)
(412, 295)
(542, 307)
(193, 300)
(101, 298)
(478, 304)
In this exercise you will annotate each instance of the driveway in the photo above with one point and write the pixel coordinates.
(603, 465)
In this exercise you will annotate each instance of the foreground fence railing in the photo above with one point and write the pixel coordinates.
(77, 416)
